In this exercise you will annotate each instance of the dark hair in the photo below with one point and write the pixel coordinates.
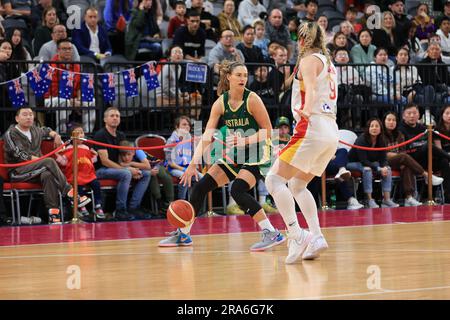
(403, 48)
(116, 5)
(23, 107)
(180, 3)
(365, 30)
(62, 41)
(441, 126)
(377, 51)
(192, 13)
(394, 134)
(18, 52)
(444, 18)
(307, 2)
(178, 121)
(410, 105)
(380, 138)
(245, 28)
(73, 126)
(337, 34)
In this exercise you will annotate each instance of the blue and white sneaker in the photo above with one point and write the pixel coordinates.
(176, 238)
(269, 240)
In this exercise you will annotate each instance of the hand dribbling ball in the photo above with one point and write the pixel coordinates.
(180, 213)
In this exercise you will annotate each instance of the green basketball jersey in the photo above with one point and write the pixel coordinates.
(241, 122)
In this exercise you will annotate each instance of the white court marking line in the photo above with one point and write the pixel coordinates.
(384, 291)
(213, 234)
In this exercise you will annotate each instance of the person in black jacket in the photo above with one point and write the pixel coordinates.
(410, 127)
(371, 163)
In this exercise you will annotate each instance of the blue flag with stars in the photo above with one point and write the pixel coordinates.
(129, 79)
(109, 87)
(33, 79)
(16, 94)
(46, 74)
(150, 75)
(66, 84)
(87, 87)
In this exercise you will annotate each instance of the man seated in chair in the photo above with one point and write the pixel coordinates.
(23, 143)
(53, 99)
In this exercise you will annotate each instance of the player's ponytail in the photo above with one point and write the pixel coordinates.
(226, 68)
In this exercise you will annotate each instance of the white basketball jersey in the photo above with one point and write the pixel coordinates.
(325, 92)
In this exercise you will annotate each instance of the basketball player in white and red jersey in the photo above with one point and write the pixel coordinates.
(313, 144)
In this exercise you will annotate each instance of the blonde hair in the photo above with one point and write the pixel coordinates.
(226, 68)
(258, 22)
(386, 13)
(314, 38)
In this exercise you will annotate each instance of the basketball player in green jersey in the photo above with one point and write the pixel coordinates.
(244, 115)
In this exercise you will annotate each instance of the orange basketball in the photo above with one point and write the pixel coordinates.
(180, 213)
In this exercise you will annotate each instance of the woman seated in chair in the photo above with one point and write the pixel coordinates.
(403, 162)
(370, 163)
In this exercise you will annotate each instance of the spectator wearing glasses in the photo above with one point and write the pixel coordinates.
(224, 50)
(50, 49)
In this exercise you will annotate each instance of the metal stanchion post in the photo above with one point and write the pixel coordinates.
(324, 192)
(430, 201)
(75, 176)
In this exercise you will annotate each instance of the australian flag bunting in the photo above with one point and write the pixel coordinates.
(46, 74)
(129, 79)
(87, 87)
(16, 94)
(33, 79)
(66, 84)
(150, 75)
(109, 87)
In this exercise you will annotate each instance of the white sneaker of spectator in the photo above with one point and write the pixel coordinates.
(435, 180)
(412, 202)
(353, 204)
(343, 174)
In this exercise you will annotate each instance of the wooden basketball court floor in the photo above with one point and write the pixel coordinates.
(401, 253)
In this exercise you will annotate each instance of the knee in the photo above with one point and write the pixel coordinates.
(274, 183)
(239, 187)
(296, 185)
(125, 175)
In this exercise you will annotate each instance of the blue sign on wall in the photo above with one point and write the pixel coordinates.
(196, 72)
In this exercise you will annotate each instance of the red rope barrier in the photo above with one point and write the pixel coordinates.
(442, 135)
(136, 148)
(20, 164)
(385, 148)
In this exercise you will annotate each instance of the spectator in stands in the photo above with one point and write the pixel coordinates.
(143, 33)
(53, 99)
(224, 50)
(347, 29)
(436, 76)
(49, 49)
(252, 53)
(43, 32)
(180, 156)
(418, 150)
(339, 41)
(386, 36)
(7, 72)
(311, 10)
(425, 24)
(364, 51)
(277, 31)
(37, 12)
(379, 78)
(228, 20)
(191, 38)
(348, 78)
(323, 23)
(23, 143)
(86, 171)
(403, 162)
(117, 15)
(109, 168)
(3, 213)
(444, 34)
(92, 39)
(261, 40)
(408, 82)
(249, 11)
(351, 16)
(179, 20)
(446, 12)
(261, 86)
(18, 51)
(293, 25)
(138, 160)
(209, 22)
(169, 92)
(370, 163)
(444, 128)
(402, 21)
(413, 44)
(17, 15)
(280, 76)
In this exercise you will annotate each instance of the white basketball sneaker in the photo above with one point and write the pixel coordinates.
(316, 246)
(296, 247)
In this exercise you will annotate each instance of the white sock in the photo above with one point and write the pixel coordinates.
(186, 230)
(231, 202)
(285, 203)
(262, 200)
(265, 224)
(306, 203)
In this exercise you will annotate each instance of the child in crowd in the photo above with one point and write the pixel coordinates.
(180, 156)
(178, 20)
(260, 40)
(86, 171)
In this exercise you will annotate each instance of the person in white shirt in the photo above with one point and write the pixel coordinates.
(444, 34)
(249, 11)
